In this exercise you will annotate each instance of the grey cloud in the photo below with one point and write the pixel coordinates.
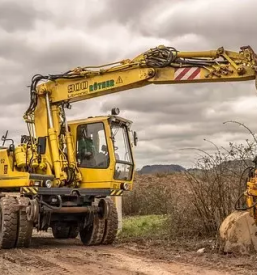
(20, 60)
(14, 47)
(19, 15)
(61, 54)
(189, 25)
(185, 150)
(177, 102)
(219, 22)
(14, 91)
(127, 11)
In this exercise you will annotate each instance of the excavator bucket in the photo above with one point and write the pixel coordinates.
(238, 234)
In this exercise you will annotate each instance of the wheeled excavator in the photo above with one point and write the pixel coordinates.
(64, 174)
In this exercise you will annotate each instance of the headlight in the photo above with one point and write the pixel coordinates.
(125, 186)
(115, 111)
(48, 183)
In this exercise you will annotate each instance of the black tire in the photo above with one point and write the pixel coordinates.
(8, 222)
(60, 231)
(93, 233)
(111, 224)
(25, 227)
(74, 232)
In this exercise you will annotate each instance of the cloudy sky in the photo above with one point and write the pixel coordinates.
(55, 35)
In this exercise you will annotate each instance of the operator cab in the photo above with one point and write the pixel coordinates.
(104, 150)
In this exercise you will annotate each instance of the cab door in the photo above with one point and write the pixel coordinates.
(94, 153)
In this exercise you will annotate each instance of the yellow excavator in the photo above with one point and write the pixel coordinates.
(64, 174)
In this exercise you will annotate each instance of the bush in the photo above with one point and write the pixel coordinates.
(198, 200)
(152, 195)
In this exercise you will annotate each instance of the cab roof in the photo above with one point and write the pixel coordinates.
(98, 118)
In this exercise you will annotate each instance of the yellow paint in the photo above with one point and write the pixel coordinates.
(10, 177)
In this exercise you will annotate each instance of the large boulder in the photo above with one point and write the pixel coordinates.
(238, 234)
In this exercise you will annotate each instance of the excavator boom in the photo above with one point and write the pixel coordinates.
(161, 65)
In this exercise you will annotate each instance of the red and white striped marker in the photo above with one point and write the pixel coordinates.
(187, 73)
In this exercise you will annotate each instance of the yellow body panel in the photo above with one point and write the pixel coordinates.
(10, 177)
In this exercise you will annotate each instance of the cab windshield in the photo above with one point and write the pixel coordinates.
(122, 150)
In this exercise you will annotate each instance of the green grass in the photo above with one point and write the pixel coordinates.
(150, 226)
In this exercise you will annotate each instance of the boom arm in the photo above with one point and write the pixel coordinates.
(161, 65)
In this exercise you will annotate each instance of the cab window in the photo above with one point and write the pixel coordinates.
(92, 151)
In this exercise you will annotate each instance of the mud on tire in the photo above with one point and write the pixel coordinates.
(8, 222)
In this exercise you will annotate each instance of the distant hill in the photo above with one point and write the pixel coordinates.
(232, 165)
(161, 168)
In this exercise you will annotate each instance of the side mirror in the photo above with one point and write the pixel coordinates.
(135, 138)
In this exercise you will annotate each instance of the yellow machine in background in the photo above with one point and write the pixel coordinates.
(65, 171)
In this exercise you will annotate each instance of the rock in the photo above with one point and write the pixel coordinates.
(238, 234)
(201, 250)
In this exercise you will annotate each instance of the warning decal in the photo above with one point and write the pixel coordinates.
(119, 80)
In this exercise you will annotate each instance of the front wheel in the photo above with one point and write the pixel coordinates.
(101, 230)
(111, 224)
(93, 233)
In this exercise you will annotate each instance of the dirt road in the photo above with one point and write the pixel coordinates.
(48, 256)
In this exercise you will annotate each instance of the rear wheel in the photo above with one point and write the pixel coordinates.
(25, 227)
(8, 222)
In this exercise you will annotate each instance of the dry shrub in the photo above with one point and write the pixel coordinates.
(151, 196)
(167, 194)
(198, 200)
